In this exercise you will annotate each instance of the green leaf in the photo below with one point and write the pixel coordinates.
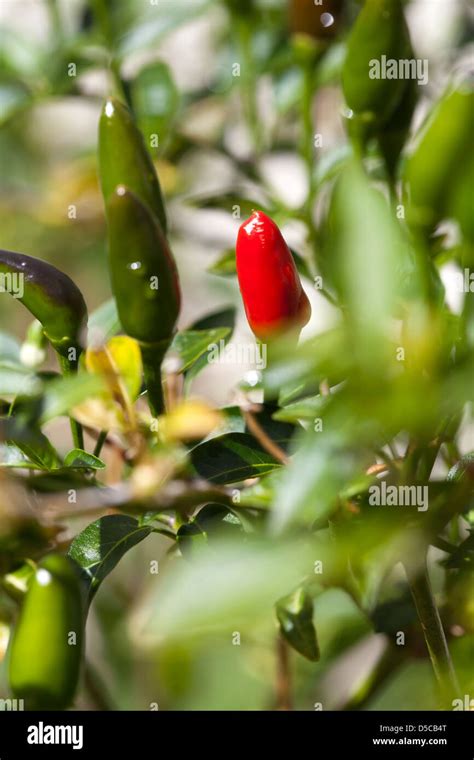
(262, 493)
(9, 348)
(305, 409)
(212, 521)
(20, 56)
(231, 458)
(13, 97)
(228, 201)
(220, 318)
(80, 459)
(287, 89)
(17, 381)
(65, 393)
(225, 265)
(235, 585)
(326, 356)
(40, 451)
(156, 101)
(310, 486)
(190, 345)
(295, 615)
(394, 614)
(279, 432)
(224, 318)
(100, 546)
(12, 456)
(26, 447)
(105, 321)
(331, 163)
(330, 66)
(58, 481)
(361, 259)
(159, 22)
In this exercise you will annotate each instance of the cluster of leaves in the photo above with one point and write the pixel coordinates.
(267, 505)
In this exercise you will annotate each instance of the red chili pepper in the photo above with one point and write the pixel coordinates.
(271, 289)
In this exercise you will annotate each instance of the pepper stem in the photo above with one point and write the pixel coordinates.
(433, 632)
(152, 357)
(68, 368)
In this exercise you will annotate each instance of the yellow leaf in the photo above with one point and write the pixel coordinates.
(126, 355)
(101, 414)
(119, 362)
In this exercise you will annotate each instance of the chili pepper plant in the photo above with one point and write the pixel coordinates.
(180, 526)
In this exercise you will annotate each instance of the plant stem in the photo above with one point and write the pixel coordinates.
(180, 496)
(70, 368)
(308, 147)
(283, 680)
(164, 532)
(433, 632)
(263, 438)
(56, 21)
(101, 17)
(95, 688)
(248, 80)
(100, 442)
(119, 83)
(153, 355)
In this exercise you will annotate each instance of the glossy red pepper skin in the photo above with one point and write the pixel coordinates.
(271, 289)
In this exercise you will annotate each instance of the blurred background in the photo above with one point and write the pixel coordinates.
(224, 96)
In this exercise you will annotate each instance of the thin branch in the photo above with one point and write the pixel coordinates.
(324, 388)
(101, 439)
(179, 495)
(263, 438)
(433, 632)
(95, 688)
(283, 675)
(376, 469)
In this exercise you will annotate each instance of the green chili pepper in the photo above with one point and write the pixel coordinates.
(144, 282)
(124, 159)
(46, 647)
(447, 137)
(380, 30)
(51, 296)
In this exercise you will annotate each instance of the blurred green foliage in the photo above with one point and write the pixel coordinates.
(222, 528)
